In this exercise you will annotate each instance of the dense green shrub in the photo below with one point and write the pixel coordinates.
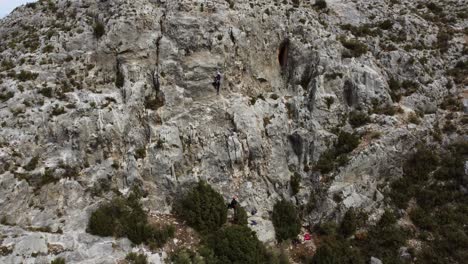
(6, 96)
(98, 29)
(346, 143)
(134, 258)
(320, 4)
(337, 251)
(32, 163)
(285, 220)
(386, 24)
(26, 76)
(358, 118)
(58, 261)
(418, 165)
(354, 46)
(240, 216)
(349, 223)
(384, 239)
(237, 244)
(338, 155)
(119, 78)
(295, 183)
(202, 208)
(125, 217)
(46, 91)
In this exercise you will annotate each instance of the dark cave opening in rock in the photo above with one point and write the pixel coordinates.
(283, 53)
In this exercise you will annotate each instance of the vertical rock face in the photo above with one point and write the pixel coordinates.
(101, 95)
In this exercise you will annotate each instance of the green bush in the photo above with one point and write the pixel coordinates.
(202, 208)
(6, 96)
(338, 155)
(32, 163)
(295, 183)
(46, 91)
(337, 251)
(237, 244)
(384, 239)
(26, 76)
(349, 223)
(240, 216)
(358, 118)
(98, 29)
(58, 261)
(119, 78)
(285, 220)
(354, 46)
(320, 4)
(126, 218)
(418, 165)
(134, 258)
(346, 143)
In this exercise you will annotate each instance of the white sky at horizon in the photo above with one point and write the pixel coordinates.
(6, 6)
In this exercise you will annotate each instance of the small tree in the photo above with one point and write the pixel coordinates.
(237, 244)
(349, 223)
(58, 261)
(203, 208)
(320, 4)
(98, 29)
(134, 258)
(240, 216)
(285, 220)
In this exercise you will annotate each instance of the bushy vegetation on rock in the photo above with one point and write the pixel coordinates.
(337, 155)
(202, 208)
(124, 217)
(58, 261)
(134, 258)
(435, 179)
(237, 244)
(285, 220)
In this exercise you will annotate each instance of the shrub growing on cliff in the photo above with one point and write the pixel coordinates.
(202, 207)
(237, 244)
(358, 118)
(285, 220)
(334, 250)
(240, 216)
(134, 258)
(349, 224)
(338, 154)
(98, 29)
(320, 4)
(354, 47)
(124, 217)
(58, 261)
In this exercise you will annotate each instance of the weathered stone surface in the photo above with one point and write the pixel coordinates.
(288, 86)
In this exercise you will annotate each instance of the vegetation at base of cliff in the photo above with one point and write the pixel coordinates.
(202, 208)
(237, 244)
(285, 220)
(436, 181)
(205, 210)
(124, 217)
(134, 258)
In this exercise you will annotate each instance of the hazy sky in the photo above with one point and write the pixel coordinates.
(6, 6)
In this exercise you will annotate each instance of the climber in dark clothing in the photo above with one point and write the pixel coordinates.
(217, 81)
(233, 203)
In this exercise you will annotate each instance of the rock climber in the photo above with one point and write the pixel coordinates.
(217, 81)
(233, 203)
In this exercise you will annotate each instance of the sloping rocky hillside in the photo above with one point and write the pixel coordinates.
(321, 104)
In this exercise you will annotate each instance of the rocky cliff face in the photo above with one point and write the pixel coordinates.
(100, 96)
